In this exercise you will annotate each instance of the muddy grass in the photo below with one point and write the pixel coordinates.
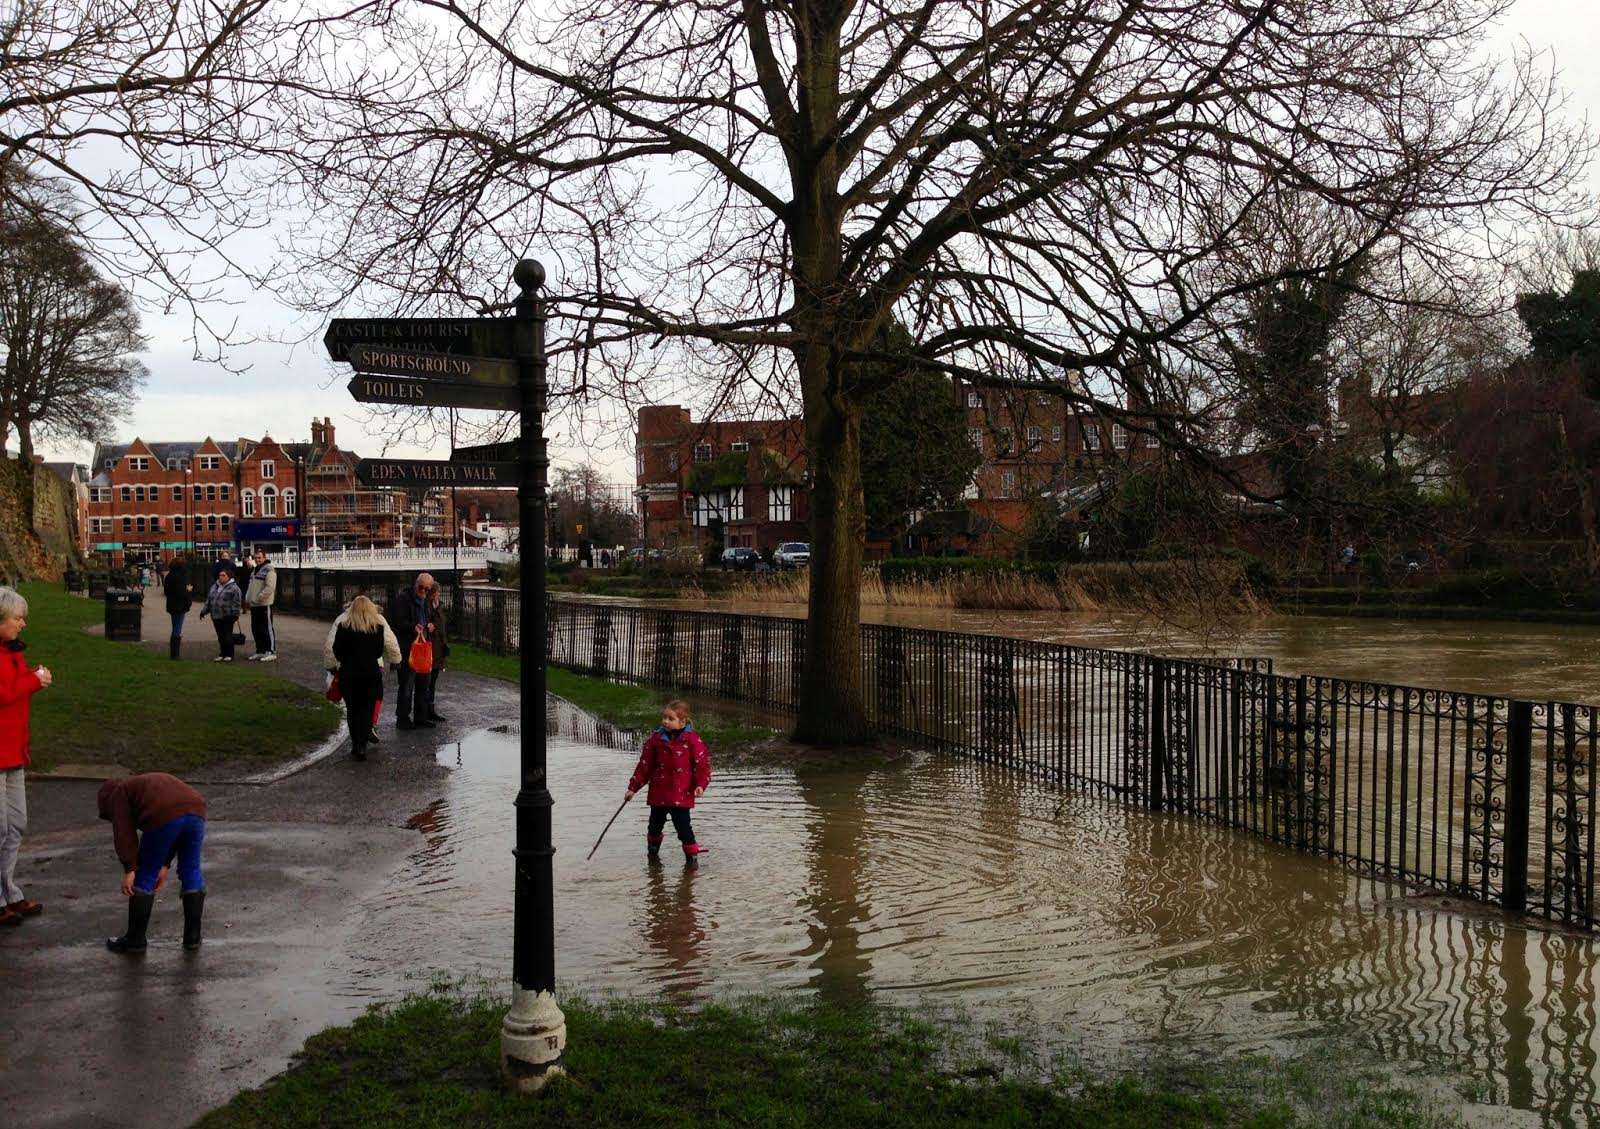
(431, 1060)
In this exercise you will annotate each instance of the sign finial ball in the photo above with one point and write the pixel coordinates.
(528, 274)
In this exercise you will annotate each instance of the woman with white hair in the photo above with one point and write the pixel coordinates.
(18, 685)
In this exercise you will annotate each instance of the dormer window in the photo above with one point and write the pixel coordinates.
(268, 469)
(138, 462)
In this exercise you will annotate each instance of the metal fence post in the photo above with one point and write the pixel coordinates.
(1156, 672)
(1519, 790)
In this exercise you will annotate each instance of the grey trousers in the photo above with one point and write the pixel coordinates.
(13, 822)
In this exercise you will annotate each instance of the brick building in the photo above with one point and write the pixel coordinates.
(150, 501)
(747, 477)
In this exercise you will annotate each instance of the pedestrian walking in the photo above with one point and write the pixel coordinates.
(439, 619)
(677, 766)
(180, 600)
(260, 592)
(223, 604)
(155, 817)
(18, 685)
(408, 614)
(359, 643)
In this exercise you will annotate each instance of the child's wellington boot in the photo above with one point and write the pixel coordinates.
(139, 907)
(193, 907)
(691, 855)
(653, 848)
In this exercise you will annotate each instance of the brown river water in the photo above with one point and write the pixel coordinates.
(1521, 660)
(939, 881)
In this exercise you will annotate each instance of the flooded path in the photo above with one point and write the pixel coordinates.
(938, 880)
(1521, 660)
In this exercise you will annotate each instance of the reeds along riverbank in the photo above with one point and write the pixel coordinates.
(1193, 586)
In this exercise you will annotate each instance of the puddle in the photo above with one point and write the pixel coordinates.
(944, 881)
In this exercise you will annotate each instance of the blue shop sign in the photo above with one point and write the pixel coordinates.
(266, 530)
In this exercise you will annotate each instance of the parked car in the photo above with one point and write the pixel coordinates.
(792, 554)
(742, 558)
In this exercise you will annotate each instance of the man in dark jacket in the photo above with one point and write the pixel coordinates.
(180, 598)
(410, 618)
(154, 819)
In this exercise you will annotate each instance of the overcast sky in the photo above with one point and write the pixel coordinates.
(289, 380)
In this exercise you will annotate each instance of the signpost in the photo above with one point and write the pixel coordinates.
(407, 361)
(418, 392)
(437, 366)
(421, 474)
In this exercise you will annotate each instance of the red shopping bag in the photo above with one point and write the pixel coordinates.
(332, 691)
(421, 658)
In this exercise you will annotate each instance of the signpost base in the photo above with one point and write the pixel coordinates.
(533, 1041)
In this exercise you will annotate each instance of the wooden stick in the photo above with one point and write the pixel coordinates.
(609, 822)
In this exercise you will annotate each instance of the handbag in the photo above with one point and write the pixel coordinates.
(238, 639)
(421, 658)
(331, 691)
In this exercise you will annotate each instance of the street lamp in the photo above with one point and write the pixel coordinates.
(300, 503)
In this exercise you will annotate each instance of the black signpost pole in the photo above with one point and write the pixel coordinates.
(534, 1035)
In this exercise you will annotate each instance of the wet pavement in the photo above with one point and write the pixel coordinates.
(929, 880)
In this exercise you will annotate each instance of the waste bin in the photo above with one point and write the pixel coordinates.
(124, 611)
(98, 583)
(74, 580)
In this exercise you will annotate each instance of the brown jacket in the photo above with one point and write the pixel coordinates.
(145, 802)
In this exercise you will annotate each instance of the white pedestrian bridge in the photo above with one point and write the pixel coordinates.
(395, 560)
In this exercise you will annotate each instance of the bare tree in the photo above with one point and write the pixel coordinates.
(141, 111)
(1030, 186)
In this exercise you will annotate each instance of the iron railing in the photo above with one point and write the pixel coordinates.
(1472, 795)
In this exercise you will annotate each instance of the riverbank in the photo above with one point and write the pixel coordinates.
(122, 704)
(431, 1060)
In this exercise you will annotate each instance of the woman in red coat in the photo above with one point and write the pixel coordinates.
(678, 768)
(18, 685)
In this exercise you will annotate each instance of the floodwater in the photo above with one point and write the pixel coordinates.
(1540, 661)
(942, 881)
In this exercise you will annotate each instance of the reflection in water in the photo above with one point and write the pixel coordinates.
(947, 880)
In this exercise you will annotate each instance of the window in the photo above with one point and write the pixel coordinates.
(138, 493)
(211, 522)
(110, 463)
(226, 520)
(780, 503)
(1035, 437)
(127, 525)
(740, 447)
(155, 525)
(1151, 439)
(177, 493)
(1055, 434)
(288, 503)
(224, 491)
(247, 503)
(974, 399)
(199, 491)
(975, 437)
(638, 464)
(1091, 436)
(1119, 436)
(268, 469)
(269, 501)
(735, 506)
(127, 493)
(702, 452)
(1002, 443)
(99, 493)
(174, 463)
(210, 462)
(138, 523)
(177, 525)
(138, 462)
(1043, 398)
(1008, 484)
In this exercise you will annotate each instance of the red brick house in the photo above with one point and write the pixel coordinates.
(748, 476)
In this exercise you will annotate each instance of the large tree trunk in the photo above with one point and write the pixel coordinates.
(832, 707)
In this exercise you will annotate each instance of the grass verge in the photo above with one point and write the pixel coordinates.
(431, 1060)
(622, 704)
(120, 703)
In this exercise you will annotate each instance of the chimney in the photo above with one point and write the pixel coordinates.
(316, 433)
(327, 431)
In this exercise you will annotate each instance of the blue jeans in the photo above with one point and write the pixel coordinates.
(177, 624)
(182, 837)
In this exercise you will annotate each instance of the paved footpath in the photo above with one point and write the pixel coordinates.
(88, 1038)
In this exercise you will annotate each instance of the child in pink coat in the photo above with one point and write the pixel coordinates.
(678, 768)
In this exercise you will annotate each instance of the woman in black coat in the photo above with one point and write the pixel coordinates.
(360, 643)
(180, 599)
